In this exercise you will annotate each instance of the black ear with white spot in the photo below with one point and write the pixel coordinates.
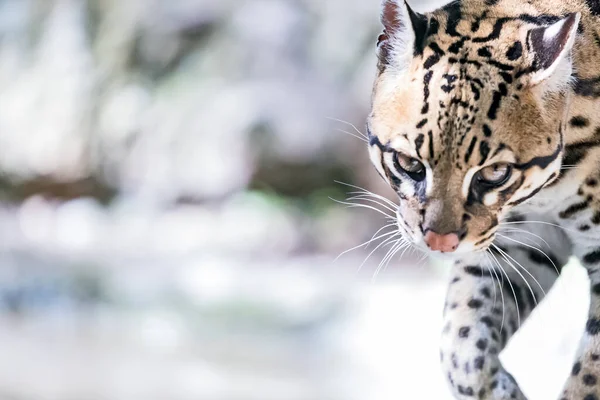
(404, 34)
(551, 47)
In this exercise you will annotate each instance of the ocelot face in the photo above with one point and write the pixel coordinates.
(467, 118)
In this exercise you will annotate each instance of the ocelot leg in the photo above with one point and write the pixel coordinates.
(489, 297)
(584, 382)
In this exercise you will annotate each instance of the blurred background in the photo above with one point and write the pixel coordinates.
(168, 223)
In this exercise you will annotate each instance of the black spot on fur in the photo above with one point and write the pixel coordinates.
(466, 391)
(495, 31)
(487, 131)
(574, 209)
(589, 380)
(579, 121)
(592, 327)
(591, 396)
(596, 289)
(592, 258)
(591, 182)
(454, 359)
(487, 321)
(485, 292)
(576, 369)
(463, 332)
(475, 271)
(478, 363)
(515, 52)
(454, 16)
(457, 46)
(476, 91)
(482, 344)
(475, 303)
(587, 87)
(537, 257)
(584, 228)
(484, 52)
(422, 123)
(594, 6)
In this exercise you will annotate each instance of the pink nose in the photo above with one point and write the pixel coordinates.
(445, 243)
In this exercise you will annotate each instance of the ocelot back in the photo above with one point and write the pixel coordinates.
(486, 122)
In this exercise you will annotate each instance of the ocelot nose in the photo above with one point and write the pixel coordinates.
(446, 243)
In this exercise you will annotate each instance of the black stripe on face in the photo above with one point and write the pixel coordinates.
(484, 151)
(542, 162)
(498, 95)
(419, 143)
(470, 149)
(530, 195)
(587, 87)
(515, 51)
(454, 16)
(487, 131)
(477, 23)
(431, 153)
(426, 92)
(495, 31)
(476, 92)
(435, 57)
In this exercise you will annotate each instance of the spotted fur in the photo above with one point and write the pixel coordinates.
(475, 85)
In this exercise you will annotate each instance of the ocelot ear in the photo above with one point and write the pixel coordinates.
(551, 47)
(403, 35)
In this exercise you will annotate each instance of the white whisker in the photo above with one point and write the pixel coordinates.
(512, 289)
(500, 284)
(534, 248)
(368, 242)
(362, 134)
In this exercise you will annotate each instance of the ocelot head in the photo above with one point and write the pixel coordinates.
(468, 114)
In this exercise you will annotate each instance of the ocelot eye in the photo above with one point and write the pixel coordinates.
(495, 175)
(412, 167)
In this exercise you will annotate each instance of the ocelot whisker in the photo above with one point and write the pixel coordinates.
(373, 238)
(506, 257)
(360, 205)
(511, 288)
(369, 199)
(352, 134)
(527, 233)
(387, 240)
(362, 134)
(379, 197)
(501, 284)
(533, 248)
(390, 254)
(489, 267)
(538, 222)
